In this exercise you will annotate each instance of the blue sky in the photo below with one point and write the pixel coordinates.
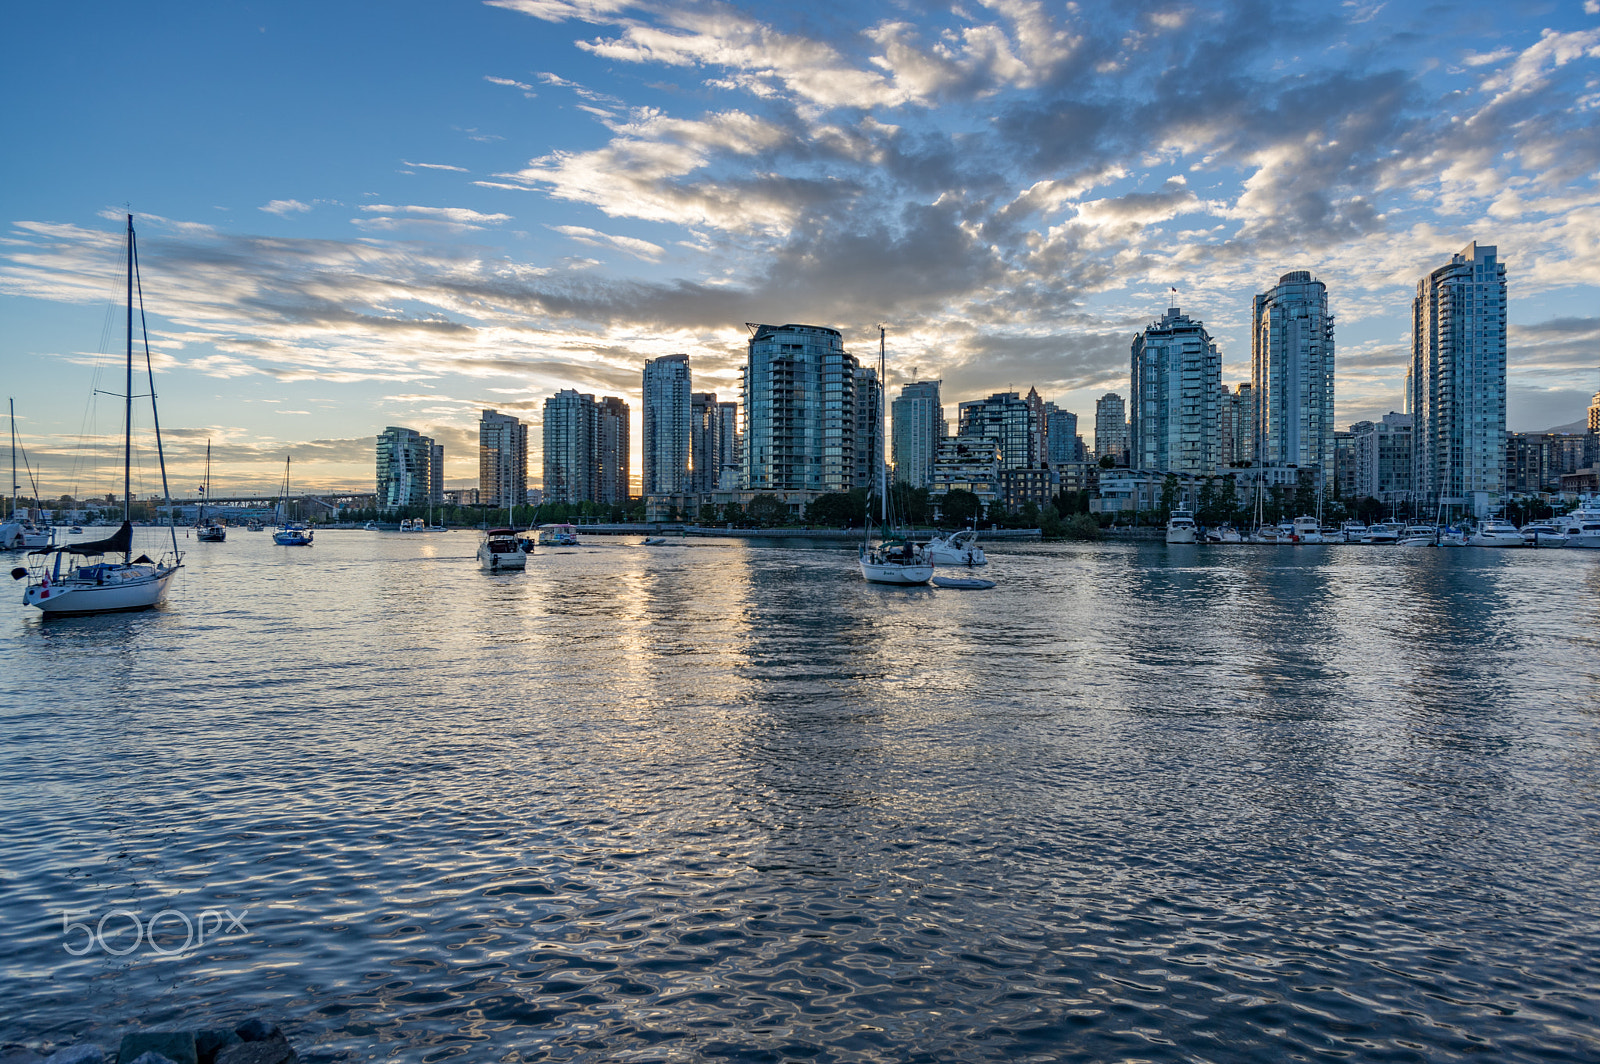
(354, 216)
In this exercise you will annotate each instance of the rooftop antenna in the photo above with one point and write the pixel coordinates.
(1172, 299)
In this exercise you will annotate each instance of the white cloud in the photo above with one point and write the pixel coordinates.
(438, 166)
(633, 246)
(285, 207)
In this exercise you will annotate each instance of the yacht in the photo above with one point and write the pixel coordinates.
(1419, 536)
(500, 550)
(1383, 533)
(1581, 528)
(1181, 527)
(958, 548)
(558, 536)
(1541, 534)
(1352, 531)
(1496, 532)
(1223, 534)
(1306, 530)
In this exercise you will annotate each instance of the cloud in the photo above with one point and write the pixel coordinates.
(285, 207)
(642, 249)
(456, 218)
(438, 166)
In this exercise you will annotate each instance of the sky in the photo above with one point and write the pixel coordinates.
(359, 215)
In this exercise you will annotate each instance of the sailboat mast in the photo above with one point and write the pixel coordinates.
(127, 409)
(14, 484)
(877, 442)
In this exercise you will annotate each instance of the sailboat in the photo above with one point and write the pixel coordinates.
(895, 559)
(18, 533)
(293, 533)
(208, 531)
(101, 586)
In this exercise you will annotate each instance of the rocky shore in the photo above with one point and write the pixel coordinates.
(252, 1042)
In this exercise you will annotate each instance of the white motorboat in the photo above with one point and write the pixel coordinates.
(1351, 532)
(894, 560)
(1540, 534)
(101, 586)
(958, 548)
(963, 583)
(1181, 527)
(1419, 536)
(1223, 534)
(1383, 534)
(559, 535)
(1496, 532)
(500, 550)
(1306, 530)
(1581, 527)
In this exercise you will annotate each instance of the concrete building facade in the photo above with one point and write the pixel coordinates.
(918, 426)
(668, 420)
(1175, 381)
(502, 459)
(1291, 357)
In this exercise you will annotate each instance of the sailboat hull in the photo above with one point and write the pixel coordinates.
(122, 589)
(894, 573)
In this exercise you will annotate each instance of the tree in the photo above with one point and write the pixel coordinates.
(959, 507)
(1169, 494)
(1107, 462)
(734, 514)
(766, 511)
(1209, 513)
(1081, 526)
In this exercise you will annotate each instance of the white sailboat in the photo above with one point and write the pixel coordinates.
(109, 587)
(895, 559)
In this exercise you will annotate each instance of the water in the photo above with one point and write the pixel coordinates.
(724, 802)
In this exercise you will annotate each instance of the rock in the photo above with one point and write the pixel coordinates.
(152, 1057)
(259, 1031)
(15, 1054)
(176, 1046)
(85, 1054)
(207, 1044)
(270, 1052)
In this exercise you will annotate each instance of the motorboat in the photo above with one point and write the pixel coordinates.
(1581, 527)
(1306, 530)
(1419, 536)
(1351, 532)
(1181, 527)
(1496, 532)
(1541, 534)
(958, 548)
(89, 584)
(500, 550)
(1272, 534)
(557, 535)
(370, 526)
(963, 583)
(1383, 534)
(1223, 534)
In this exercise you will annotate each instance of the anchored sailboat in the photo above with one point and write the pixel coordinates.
(895, 559)
(110, 587)
(208, 531)
(293, 533)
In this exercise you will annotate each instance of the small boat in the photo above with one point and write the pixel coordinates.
(1382, 534)
(21, 533)
(1306, 530)
(655, 541)
(76, 530)
(500, 550)
(559, 535)
(1581, 527)
(1496, 532)
(958, 548)
(1419, 536)
(1351, 532)
(293, 533)
(963, 583)
(1223, 534)
(101, 586)
(370, 526)
(1181, 527)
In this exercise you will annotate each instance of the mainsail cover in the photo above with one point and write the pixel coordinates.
(116, 543)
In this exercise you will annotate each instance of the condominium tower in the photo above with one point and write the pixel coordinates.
(918, 428)
(586, 443)
(1291, 356)
(410, 469)
(502, 460)
(1111, 428)
(1458, 380)
(1175, 379)
(668, 425)
(800, 417)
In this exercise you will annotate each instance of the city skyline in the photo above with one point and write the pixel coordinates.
(584, 186)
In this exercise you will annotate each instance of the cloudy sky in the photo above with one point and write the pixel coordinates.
(359, 215)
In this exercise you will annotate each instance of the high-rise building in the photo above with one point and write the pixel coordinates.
(1176, 378)
(502, 459)
(668, 425)
(869, 430)
(586, 444)
(1594, 413)
(1111, 428)
(570, 426)
(410, 470)
(611, 452)
(705, 438)
(1062, 442)
(1458, 380)
(918, 428)
(729, 446)
(1010, 421)
(1236, 437)
(1291, 356)
(1382, 460)
(800, 423)
(1344, 465)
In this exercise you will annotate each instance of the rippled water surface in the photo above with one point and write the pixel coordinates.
(714, 801)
